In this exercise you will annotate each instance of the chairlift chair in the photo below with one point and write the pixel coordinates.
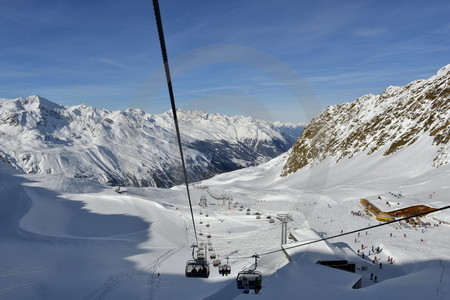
(225, 270)
(251, 276)
(197, 268)
(217, 262)
(200, 255)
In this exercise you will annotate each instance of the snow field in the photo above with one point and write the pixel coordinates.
(72, 239)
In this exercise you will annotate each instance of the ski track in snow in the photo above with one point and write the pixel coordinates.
(149, 272)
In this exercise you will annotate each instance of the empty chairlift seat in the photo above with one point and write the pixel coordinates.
(201, 255)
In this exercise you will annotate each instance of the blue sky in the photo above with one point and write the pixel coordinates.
(277, 60)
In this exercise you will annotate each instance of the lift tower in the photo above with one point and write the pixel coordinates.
(284, 218)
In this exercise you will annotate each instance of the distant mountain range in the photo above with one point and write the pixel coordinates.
(133, 148)
(387, 123)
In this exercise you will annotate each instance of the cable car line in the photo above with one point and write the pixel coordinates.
(345, 233)
(172, 102)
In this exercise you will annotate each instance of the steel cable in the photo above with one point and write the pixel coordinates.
(172, 102)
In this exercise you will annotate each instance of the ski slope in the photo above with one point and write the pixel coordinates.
(73, 239)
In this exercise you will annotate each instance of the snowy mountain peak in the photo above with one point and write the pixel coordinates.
(389, 122)
(42, 103)
(443, 71)
(132, 147)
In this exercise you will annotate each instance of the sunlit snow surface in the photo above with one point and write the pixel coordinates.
(72, 239)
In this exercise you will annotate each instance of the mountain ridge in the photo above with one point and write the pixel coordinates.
(131, 147)
(388, 122)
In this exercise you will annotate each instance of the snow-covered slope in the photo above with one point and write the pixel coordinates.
(132, 147)
(68, 238)
(397, 118)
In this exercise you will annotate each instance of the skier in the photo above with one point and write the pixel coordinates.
(246, 285)
(257, 285)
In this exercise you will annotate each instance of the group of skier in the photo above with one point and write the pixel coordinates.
(256, 285)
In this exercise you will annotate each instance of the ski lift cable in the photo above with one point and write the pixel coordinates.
(172, 101)
(342, 234)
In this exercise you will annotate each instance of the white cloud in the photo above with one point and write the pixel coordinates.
(370, 32)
